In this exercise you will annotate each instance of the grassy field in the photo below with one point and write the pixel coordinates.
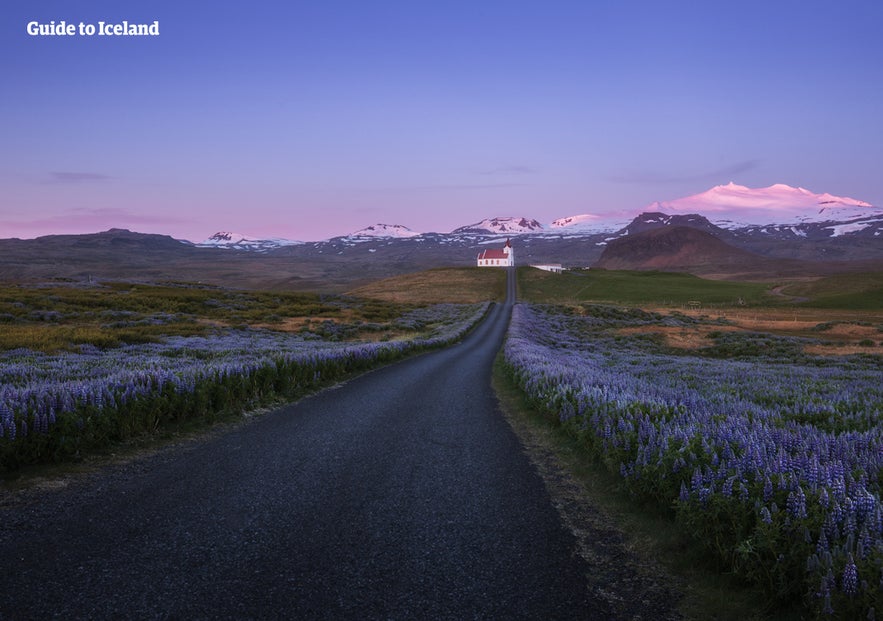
(636, 288)
(844, 291)
(845, 313)
(462, 285)
(52, 318)
(106, 315)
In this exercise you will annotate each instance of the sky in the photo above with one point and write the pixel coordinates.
(310, 119)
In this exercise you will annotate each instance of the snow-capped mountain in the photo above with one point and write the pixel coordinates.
(574, 221)
(588, 224)
(778, 209)
(501, 226)
(237, 241)
(384, 230)
(733, 206)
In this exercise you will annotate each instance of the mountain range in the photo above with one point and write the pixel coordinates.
(727, 231)
(778, 210)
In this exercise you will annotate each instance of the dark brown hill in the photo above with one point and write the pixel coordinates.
(679, 248)
(686, 249)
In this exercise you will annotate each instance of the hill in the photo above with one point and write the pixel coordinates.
(680, 249)
(686, 249)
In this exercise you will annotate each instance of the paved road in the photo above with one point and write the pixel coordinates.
(402, 494)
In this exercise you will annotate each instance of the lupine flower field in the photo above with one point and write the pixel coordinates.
(56, 405)
(771, 457)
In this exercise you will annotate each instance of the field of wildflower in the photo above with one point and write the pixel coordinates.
(768, 455)
(153, 356)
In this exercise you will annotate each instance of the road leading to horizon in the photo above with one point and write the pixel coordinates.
(402, 494)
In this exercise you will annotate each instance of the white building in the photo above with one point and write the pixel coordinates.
(550, 267)
(493, 257)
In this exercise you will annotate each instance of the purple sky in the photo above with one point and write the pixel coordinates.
(312, 119)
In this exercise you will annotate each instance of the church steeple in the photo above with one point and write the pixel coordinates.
(509, 252)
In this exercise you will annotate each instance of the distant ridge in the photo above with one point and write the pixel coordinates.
(115, 239)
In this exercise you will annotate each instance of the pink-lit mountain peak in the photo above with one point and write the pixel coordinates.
(771, 196)
(385, 230)
(578, 220)
(502, 225)
(776, 204)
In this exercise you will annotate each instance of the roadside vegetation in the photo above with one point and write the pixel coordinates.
(754, 427)
(662, 553)
(82, 369)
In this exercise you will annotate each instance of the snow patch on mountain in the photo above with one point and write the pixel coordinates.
(238, 241)
(582, 219)
(589, 224)
(843, 229)
(384, 230)
(506, 225)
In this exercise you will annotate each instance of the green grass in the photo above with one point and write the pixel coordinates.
(636, 288)
(853, 291)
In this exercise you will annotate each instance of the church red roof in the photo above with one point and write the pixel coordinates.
(492, 253)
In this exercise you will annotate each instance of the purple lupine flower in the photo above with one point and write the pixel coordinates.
(822, 545)
(796, 503)
(727, 487)
(849, 581)
(767, 489)
(684, 495)
(827, 609)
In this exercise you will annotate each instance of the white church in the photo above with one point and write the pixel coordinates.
(493, 257)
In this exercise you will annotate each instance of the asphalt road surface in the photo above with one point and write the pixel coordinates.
(402, 494)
